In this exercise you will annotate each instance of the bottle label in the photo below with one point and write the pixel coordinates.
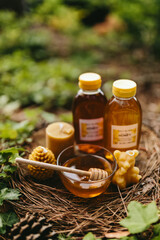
(124, 136)
(91, 129)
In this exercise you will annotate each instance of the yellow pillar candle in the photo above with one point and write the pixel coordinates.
(59, 135)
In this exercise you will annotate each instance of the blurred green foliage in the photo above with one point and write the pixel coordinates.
(15, 134)
(44, 51)
(141, 21)
(43, 83)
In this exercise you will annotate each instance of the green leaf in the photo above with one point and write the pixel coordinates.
(13, 157)
(2, 227)
(63, 237)
(2, 159)
(7, 219)
(140, 217)
(8, 194)
(9, 155)
(156, 238)
(3, 175)
(126, 238)
(90, 236)
(8, 133)
(12, 150)
(156, 229)
(9, 168)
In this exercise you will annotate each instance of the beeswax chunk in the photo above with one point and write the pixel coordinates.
(127, 173)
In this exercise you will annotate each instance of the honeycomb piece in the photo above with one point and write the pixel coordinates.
(41, 154)
(127, 173)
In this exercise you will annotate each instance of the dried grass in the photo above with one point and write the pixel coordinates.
(73, 215)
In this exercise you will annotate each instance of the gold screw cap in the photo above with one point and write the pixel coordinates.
(124, 88)
(90, 81)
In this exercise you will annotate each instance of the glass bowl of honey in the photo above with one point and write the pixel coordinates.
(88, 156)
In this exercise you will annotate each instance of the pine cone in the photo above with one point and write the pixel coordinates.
(41, 154)
(32, 228)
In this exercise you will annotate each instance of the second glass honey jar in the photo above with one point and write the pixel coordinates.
(88, 110)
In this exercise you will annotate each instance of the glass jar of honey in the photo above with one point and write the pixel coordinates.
(88, 110)
(123, 117)
(90, 156)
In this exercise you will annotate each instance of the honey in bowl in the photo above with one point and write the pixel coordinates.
(82, 186)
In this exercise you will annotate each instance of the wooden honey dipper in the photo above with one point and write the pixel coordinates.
(93, 173)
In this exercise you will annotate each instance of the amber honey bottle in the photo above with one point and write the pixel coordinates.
(88, 110)
(123, 117)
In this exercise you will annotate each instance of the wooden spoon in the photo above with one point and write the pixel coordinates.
(93, 173)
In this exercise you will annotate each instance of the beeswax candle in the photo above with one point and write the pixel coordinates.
(59, 135)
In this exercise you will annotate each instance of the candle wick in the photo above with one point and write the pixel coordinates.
(61, 126)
